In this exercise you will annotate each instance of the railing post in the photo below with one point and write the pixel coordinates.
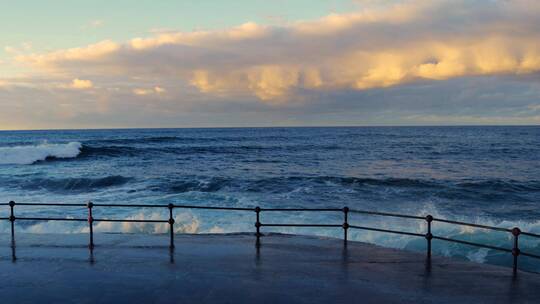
(12, 220)
(515, 250)
(429, 236)
(345, 223)
(171, 226)
(258, 223)
(90, 205)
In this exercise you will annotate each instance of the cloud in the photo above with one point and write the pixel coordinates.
(473, 120)
(81, 84)
(92, 25)
(10, 50)
(534, 107)
(150, 91)
(246, 31)
(373, 48)
(96, 23)
(79, 55)
(24, 47)
(388, 62)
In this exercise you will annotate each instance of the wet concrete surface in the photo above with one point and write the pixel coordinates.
(128, 268)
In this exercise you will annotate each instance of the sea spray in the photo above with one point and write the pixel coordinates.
(26, 155)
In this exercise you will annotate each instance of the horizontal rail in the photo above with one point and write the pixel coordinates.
(302, 225)
(471, 244)
(129, 206)
(304, 209)
(472, 225)
(174, 206)
(213, 208)
(416, 217)
(530, 255)
(50, 219)
(387, 230)
(51, 204)
(530, 234)
(130, 221)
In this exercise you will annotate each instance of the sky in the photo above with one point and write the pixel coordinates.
(124, 64)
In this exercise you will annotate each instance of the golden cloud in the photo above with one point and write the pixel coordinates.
(89, 53)
(81, 84)
(372, 48)
(248, 30)
(149, 91)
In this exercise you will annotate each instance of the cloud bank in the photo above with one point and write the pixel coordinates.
(345, 56)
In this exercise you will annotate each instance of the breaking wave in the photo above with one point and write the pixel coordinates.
(26, 155)
(185, 222)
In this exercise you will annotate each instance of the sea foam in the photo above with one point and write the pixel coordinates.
(25, 155)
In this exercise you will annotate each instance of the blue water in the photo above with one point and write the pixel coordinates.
(487, 175)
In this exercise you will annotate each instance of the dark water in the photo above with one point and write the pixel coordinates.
(488, 175)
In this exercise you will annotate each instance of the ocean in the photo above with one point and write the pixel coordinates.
(484, 175)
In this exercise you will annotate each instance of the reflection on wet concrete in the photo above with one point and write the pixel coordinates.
(238, 268)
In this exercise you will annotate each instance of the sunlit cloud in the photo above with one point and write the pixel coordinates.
(385, 46)
(10, 50)
(80, 55)
(81, 84)
(150, 91)
(245, 31)
(374, 48)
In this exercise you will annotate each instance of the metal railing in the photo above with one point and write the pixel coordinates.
(429, 236)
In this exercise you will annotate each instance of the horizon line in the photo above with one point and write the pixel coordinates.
(275, 127)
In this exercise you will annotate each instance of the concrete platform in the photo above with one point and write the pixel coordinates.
(128, 268)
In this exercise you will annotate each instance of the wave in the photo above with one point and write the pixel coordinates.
(136, 140)
(444, 188)
(280, 184)
(107, 151)
(211, 185)
(75, 184)
(189, 139)
(26, 155)
(89, 150)
(501, 185)
(185, 222)
(391, 181)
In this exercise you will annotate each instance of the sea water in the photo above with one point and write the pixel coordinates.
(484, 175)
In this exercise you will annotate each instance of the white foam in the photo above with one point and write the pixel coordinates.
(478, 256)
(25, 155)
(185, 222)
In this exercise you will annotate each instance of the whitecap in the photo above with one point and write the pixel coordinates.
(26, 155)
